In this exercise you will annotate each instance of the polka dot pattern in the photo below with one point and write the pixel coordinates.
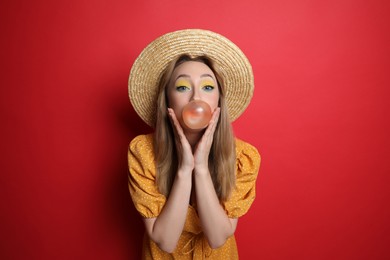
(149, 202)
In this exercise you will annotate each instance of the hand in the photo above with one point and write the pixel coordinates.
(184, 151)
(202, 150)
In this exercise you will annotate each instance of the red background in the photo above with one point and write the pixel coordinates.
(319, 117)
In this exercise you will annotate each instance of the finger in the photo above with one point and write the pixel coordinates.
(176, 125)
(179, 133)
(208, 136)
(215, 117)
(172, 120)
(204, 146)
(213, 122)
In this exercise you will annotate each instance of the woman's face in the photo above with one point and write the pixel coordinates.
(192, 80)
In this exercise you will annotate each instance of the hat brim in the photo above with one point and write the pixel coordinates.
(231, 61)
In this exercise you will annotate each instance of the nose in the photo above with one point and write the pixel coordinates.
(195, 94)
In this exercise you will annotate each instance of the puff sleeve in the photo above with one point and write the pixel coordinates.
(142, 177)
(247, 167)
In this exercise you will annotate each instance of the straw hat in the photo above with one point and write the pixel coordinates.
(148, 67)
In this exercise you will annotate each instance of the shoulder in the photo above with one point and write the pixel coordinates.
(247, 159)
(142, 143)
(141, 150)
(246, 149)
(247, 168)
(141, 156)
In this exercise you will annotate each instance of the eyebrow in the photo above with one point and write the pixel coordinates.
(188, 76)
(206, 75)
(183, 76)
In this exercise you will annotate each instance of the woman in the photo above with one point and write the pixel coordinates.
(191, 185)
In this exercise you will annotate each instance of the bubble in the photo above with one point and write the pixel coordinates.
(196, 114)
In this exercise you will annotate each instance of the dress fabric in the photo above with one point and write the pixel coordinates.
(149, 201)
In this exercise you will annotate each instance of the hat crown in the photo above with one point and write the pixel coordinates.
(231, 61)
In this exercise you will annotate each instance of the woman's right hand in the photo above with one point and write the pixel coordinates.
(183, 147)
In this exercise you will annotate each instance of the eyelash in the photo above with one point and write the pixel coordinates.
(208, 87)
(185, 88)
(182, 88)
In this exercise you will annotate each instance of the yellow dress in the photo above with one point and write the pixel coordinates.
(149, 201)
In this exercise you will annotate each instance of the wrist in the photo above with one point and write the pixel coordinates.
(202, 171)
(184, 172)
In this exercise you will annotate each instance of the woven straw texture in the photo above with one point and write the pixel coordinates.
(148, 67)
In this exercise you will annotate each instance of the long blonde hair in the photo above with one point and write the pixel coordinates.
(222, 158)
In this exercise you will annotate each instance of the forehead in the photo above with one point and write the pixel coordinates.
(192, 69)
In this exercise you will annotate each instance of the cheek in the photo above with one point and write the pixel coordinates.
(214, 101)
(176, 104)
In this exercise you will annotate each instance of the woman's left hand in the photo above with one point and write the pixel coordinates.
(202, 149)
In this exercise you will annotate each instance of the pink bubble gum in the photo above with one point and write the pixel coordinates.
(196, 114)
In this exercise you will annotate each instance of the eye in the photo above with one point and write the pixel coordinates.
(208, 87)
(182, 88)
